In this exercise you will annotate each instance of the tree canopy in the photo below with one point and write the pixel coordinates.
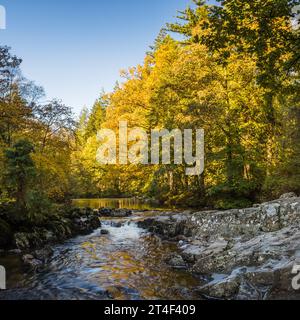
(234, 72)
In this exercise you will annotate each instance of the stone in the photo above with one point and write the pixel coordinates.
(176, 261)
(115, 213)
(116, 224)
(288, 195)
(254, 249)
(44, 254)
(272, 209)
(31, 262)
(86, 223)
(226, 288)
(22, 241)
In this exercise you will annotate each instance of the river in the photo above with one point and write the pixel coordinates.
(127, 263)
(118, 203)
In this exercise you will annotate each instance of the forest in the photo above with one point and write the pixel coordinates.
(231, 69)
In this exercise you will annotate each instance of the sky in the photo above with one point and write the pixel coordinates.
(75, 49)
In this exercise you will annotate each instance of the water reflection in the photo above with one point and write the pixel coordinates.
(116, 203)
(127, 263)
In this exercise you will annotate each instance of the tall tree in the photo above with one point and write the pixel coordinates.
(20, 170)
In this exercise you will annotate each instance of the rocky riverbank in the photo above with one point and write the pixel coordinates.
(33, 242)
(56, 228)
(236, 254)
(240, 254)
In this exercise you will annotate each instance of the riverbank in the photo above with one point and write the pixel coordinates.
(241, 254)
(118, 261)
(66, 222)
(236, 254)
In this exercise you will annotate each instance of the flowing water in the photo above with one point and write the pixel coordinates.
(127, 263)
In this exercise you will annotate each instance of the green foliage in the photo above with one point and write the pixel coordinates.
(232, 76)
(20, 170)
(235, 74)
(39, 207)
(35, 147)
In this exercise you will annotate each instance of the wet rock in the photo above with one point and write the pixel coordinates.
(115, 213)
(105, 212)
(36, 239)
(182, 242)
(31, 262)
(64, 224)
(176, 261)
(282, 286)
(44, 254)
(22, 241)
(58, 229)
(86, 223)
(116, 224)
(169, 226)
(226, 288)
(104, 232)
(27, 257)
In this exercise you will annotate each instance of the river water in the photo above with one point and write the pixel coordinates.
(127, 263)
(117, 203)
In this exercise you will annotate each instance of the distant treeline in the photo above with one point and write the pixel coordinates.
(236, 75)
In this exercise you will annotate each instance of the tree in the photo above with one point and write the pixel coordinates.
(14, 110)
(20, 170)
(53, 118)
(9, 69)
(96, 117)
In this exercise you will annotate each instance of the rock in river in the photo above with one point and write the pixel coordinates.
(31, 262)
(115, 213)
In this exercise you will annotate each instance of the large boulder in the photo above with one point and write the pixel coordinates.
(167, 225)
(86, 224)
(75, 221)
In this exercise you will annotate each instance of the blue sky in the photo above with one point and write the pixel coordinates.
(75, 48)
